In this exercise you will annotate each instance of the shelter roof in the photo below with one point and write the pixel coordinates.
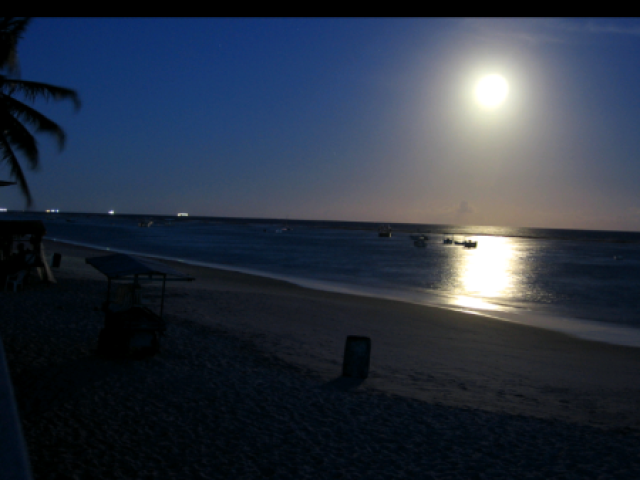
(120, 265)
(22, 227)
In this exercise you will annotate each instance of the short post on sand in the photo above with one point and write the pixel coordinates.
(55, 260)
(357, 354)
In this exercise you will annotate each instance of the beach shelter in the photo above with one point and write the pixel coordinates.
(139, 270)
(12, 230)
(22, 227)
(129, 326)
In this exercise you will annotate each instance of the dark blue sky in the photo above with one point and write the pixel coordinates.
(345, 119)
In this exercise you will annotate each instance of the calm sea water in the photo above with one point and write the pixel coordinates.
(583, 282)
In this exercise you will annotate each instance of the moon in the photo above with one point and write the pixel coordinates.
(492, 90)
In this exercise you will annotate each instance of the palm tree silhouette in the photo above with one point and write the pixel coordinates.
(15, 115)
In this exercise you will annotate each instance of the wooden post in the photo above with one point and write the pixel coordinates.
(357, 353)
(48, 275)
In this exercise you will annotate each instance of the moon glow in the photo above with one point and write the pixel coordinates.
(491, 91)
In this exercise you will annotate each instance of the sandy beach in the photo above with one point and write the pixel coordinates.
(247, 385)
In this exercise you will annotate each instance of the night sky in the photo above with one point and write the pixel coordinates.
(341, 119)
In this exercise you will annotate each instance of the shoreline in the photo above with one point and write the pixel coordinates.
(591, 330)
(247, 384)
(425, 352)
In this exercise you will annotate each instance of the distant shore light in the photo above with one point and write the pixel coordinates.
(111, 212)
(183, 214)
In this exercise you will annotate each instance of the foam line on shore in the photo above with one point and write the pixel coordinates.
(584, 329)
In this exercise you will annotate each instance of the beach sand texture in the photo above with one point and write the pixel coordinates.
(247, 385)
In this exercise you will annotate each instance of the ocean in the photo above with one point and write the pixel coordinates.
(585, 283)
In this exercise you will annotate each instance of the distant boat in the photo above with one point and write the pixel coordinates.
(447, 241)
(418, 236)
(467, 243)
(284, 229)
(145, 223)
(384, 230)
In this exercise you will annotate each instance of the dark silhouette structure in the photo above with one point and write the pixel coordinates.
(15, 115)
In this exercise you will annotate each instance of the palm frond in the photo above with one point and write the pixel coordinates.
(33, 90)
(14, 169)
(21, 138)
(33, 118)
(16, 116)
(11, 30)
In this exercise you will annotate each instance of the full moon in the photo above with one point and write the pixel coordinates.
(492, 90)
